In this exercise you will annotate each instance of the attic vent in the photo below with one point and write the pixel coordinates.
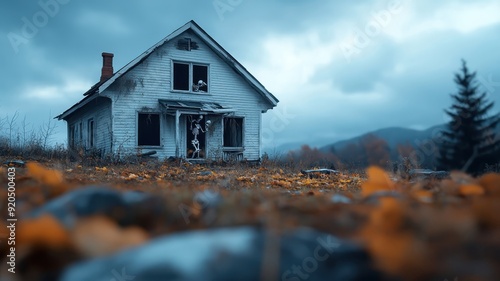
(187, 44)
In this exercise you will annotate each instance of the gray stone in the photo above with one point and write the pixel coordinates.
(127, 208)
(316, 172)
(339, 198)
(427, 174)
(243, 253)
(374, 198)
(16, 163)
(206, 173)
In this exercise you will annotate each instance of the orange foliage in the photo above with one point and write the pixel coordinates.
(378, 180)
(43, 175)
(406, 238)
(491, 183)
(377, 150)
(99, 236)
(471, 190)
(42, 231)
(422, 195)
(394, 247)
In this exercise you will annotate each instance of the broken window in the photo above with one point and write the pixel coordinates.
(233, 132)
(91, 132)
(190, 77)
(187, 44)
(148, 129)
(200, 78)
(181, 76)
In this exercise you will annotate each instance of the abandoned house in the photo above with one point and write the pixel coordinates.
(184, 97)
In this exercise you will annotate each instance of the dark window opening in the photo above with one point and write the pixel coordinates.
(190, 77)
(80, 141)
(149, 129)
(200, 78)
(187, 44)
(233, 132)
(91, 132)
(72, 135)
(181, 76)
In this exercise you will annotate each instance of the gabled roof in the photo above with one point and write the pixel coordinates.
(207, 39)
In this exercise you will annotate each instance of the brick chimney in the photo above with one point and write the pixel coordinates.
(107, 66)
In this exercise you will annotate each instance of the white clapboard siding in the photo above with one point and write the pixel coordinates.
(140, 89)
(100, 111)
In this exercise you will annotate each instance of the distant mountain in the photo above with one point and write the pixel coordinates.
(393, 136)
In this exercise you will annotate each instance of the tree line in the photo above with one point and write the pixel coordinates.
(469, 141)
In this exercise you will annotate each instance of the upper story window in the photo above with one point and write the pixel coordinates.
(190, 77)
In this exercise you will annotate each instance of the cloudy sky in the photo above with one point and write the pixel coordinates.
(339, 68)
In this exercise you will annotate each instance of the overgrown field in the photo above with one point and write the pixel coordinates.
(414, 229)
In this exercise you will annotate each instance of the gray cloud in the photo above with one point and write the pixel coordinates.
(402, 78)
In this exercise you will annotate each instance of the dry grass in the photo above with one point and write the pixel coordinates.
(414, 230)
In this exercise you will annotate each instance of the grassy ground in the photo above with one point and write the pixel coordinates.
(415, 230)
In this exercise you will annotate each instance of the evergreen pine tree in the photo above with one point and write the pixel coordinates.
(469, 142)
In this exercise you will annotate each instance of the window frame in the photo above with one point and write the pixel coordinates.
(91, 132)
(159, 129)
(190, 78)
(243, 121)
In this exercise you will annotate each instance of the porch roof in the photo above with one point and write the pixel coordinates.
(209, 107)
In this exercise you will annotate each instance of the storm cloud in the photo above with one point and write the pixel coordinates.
(339, 68)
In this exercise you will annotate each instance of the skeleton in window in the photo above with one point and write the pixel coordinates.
(195, 129)
(197, 87)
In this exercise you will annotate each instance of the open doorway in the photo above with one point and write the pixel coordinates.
(195, 136)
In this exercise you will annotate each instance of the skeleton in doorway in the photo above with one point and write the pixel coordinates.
(195, 129)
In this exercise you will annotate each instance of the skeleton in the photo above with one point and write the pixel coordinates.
(196, 87)
(195, 129)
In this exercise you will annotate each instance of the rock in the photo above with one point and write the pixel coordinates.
(316, 172)
(208, 198)
(244, 253)
(15, 163)
(427, 174)
(206, 173)
(127, 208)
(374, 198)
(339, 198)
(208, 201)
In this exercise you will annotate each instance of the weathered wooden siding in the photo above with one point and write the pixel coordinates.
(100, 111)
(140, 89)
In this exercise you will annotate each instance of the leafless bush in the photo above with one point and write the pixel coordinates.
(17, 140)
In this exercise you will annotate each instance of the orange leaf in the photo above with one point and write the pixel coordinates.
(389, 217)
(471, 190)
(43, 175)
(377, 180)
(42, 231)
(97, 236)
(491, 183)
(422, 195)
(395, 249)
